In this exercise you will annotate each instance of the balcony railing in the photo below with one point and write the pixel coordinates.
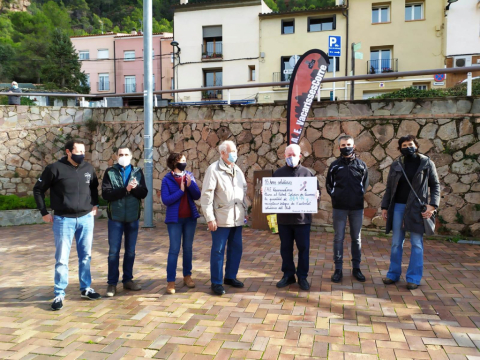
(212, 94)
(382, 66)
(130, 88)
(281, 76)
(212, 52)
(103, 86)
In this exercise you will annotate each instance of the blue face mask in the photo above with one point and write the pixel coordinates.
(232, 157)
(15, 86)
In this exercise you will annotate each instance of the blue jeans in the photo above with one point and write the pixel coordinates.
(64, 229)
(355, 220)
(230, 237)
(184, 227)
(115, 231)
(415, 267)
(300, 234)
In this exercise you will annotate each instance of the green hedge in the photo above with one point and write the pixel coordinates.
(414, 93)
(13, 202)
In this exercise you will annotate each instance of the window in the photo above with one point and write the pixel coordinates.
(87, 81)
(212, 46)
(103, 82)
(84, 55)
(380, 61)
(212, 77)
(130, 84)
(337, 64)
(288, 26)
(421, 86)
(251, 73)
(102, 54)
(380, 14)
(321, 24)
(413, 11)
(129, 55)
(286, 69)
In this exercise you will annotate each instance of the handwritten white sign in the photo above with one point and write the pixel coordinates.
(289, 195)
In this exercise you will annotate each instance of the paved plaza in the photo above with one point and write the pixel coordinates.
(351, 320)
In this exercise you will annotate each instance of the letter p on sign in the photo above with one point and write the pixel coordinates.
(333, 41)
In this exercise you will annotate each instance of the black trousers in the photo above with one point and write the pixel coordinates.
(300, 234)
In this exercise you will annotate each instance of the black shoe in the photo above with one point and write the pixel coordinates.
(411, 286)
(337, 276)
(357, 274)
(304, 284)
(57, 303)
(286, 280)
(218, 289)
(233, 282)
(90, 294)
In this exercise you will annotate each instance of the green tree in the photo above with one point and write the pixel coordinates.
(62, 66)
(281, 5)
(271, 4)
(57, 14)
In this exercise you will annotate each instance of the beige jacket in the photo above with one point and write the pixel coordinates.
(223, 195)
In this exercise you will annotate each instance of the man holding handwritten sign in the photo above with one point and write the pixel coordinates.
(293, 195)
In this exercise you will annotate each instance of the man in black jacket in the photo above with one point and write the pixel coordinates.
(294, 227)
(74, 199)
(124, 187)
(347, 182)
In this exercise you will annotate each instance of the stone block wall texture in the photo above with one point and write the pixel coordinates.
(447, 130)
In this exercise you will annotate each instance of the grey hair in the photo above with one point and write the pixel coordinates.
(226, 144)
(296, 148)
(345, 137)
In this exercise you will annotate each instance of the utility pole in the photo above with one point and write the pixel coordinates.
(148, 111)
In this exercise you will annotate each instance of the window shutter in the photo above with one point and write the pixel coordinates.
(334, 26)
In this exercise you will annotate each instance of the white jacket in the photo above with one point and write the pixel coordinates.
(223, 195)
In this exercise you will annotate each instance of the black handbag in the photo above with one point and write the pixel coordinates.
(429, 223)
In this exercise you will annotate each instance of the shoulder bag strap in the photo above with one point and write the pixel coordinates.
(411, 187)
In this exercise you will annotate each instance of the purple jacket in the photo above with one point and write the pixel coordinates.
(171, 196)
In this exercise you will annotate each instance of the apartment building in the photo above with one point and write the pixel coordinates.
(283, 35)
(463, 37)
(130, 68)
(397, 35)
(219, 45)
(114, 62)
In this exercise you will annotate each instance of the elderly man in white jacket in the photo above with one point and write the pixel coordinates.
(224, 207)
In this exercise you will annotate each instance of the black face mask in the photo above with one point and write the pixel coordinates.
(78, 158)
(408, 151)
(346, 151)
(181, 166)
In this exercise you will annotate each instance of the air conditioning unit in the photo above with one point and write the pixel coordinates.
(462, 61)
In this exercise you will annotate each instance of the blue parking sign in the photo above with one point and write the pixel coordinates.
(334, 46)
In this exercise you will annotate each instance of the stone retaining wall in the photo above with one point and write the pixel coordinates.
(447, 129)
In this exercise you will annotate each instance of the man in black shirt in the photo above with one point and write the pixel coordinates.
(74, 199)
(294, 227)
(347, 182)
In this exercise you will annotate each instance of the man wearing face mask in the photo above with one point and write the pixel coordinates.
(294, 228)
(74, 199)
(124, 187)
(14, 99)
(224, 207)
(347, 182)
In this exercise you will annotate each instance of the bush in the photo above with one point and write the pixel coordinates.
(13, 202)
(411, 92)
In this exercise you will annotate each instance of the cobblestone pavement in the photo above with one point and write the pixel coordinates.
(350, 320)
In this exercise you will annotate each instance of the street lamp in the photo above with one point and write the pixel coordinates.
(175, 78)
(450, 2)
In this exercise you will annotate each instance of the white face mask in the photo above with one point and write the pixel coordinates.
(124, 161)
(292, 161)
